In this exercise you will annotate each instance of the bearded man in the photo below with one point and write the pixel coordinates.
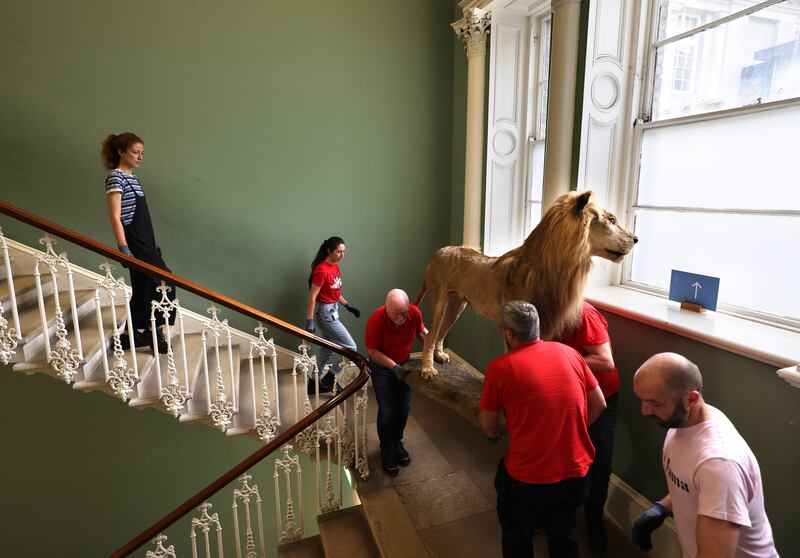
(715, 491)
(391, 331)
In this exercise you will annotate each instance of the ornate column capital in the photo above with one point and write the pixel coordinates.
(472, 29)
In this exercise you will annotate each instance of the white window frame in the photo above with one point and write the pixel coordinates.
(642, 123)
(535, 124)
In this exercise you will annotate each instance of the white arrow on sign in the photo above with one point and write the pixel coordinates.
(696, 286)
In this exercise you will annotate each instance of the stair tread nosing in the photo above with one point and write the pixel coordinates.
(309, 547)
(391, 526)
(345, 534)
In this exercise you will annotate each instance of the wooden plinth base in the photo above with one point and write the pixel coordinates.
(693, 307)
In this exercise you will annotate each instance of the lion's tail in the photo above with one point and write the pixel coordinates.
(421, 294)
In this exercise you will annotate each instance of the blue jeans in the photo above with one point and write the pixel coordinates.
(394, 403)
(601, 432)
(326, 316)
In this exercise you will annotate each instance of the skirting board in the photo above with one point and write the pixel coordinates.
(624, 504)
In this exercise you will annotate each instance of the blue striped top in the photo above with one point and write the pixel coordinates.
(128, 185)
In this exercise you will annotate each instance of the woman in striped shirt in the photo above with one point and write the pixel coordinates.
(133, 229)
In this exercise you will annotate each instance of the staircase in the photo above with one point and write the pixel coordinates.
(68, 322)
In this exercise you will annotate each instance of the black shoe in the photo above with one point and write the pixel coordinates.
(389, 462)
(140, 339)
(596, 535)
(325, 384)
(403, 459)
(161, 341)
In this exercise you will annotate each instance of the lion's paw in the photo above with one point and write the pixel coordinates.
(428, 372)
(441, 357)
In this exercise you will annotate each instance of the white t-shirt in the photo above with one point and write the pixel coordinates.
(711, 471)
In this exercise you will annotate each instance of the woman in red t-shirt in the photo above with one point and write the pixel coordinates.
(322, 311)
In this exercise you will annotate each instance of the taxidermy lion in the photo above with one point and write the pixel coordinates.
(548, 270)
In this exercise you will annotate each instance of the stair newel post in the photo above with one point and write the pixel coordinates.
(253, 383)
(101, 329)
(234, 386)
(37, 275)
(12, 292)
(74, 306)
(183, 349)
(206, 375)
(129, 329)
(274, 361)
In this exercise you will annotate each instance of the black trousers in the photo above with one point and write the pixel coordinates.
(601, 432)
(522, 508)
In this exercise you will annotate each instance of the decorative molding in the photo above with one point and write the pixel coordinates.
(625, 505)
(791, 375)
(602, 25)
(559, 3)
(160, 551)
(472, 29)
(605, 91)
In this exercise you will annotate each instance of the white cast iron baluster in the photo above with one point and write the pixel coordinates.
(9, 337)
(174, 396)
(204, 522)
(160, 551)
(64, 359)
(349, 372)
(244, 494)
(308, 366)
(360, 432)
(292, 532)
(221, 410)
(265, 424)
(328, 434)
(121, 378)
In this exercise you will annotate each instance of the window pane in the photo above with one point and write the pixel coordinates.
(738, 162)
(677, 16)
(753, 59)
(535, 184)
(753, 255)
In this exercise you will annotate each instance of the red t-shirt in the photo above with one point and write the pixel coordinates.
(593, 330)
(541, 388)
(328, 277)
(392, 340)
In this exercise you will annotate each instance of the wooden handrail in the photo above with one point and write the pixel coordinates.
(185, 284)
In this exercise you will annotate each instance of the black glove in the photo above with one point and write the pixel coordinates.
(401, 372)
(648, 522)
(311, 327)
(353, 310)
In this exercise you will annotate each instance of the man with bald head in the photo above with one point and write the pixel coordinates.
(391, 331)
(715, 490)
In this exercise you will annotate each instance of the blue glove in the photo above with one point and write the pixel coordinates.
(353, 310)
(648, 522)
(127, 251)
(311, 327)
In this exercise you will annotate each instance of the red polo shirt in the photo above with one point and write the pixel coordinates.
(393, 341)
(541, 388)
(593, 330)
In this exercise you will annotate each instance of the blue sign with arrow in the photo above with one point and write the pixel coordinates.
(692, 287)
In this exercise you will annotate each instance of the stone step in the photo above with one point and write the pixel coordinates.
(391, 526)
(310, 547)
(345, 534)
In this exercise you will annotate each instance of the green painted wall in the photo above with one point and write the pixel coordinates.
(268, 127)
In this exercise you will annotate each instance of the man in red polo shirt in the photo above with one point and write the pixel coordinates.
(548, 396)
(390, 333)
(591, 340)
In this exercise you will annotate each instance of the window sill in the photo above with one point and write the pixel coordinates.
(761, 342)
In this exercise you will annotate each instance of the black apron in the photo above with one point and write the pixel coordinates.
(142, 243)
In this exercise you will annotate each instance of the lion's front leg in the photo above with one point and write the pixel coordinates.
(428, 371)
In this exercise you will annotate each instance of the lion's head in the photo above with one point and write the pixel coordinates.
(607, 238)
